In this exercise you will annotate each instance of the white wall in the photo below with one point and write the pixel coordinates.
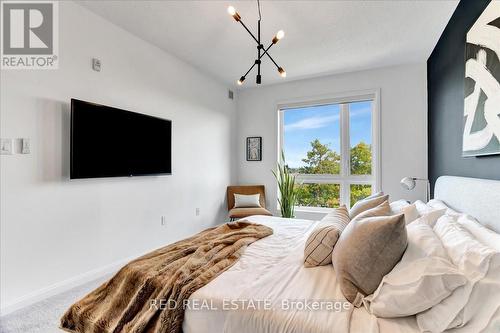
(54, 229)
(403, 124)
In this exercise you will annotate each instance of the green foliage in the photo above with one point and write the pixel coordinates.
(322, 160)
(359, 191)
(286, 186)
(318, 195)
(361, 159)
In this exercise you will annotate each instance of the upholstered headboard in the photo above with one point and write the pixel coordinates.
(479, 198)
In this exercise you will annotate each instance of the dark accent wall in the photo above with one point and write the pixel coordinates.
(445, 85)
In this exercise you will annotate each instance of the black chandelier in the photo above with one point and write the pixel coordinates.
(261, 51)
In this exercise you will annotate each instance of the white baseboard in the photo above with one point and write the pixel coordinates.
(62, 286)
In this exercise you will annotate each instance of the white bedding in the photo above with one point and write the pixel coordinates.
(271, 269)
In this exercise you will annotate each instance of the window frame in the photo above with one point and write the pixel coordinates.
(345, 178)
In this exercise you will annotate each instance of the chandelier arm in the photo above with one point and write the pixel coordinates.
(266, 53)
(274, 62)
(248, 30)
(265, 50)
(248, 71)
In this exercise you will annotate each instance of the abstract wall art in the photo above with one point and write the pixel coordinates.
(481, 130)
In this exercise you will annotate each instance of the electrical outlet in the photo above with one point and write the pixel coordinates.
(197, 212)
(163, 221)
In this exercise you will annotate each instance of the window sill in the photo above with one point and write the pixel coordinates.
(321, 210)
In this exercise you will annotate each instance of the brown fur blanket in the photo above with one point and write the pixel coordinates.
(174, 272)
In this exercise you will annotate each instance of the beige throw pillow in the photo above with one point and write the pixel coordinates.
(383, 209)
(319, 245)
(366, 204)
(367, 250)
(374, 195)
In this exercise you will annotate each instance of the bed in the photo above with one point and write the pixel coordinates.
(249, 276)
(271, 275)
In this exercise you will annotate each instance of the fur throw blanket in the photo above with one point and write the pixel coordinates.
(174, 272)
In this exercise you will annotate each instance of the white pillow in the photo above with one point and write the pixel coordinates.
(483, 303)
(432, 217)
(422, 207)
(375, 195)
(398, 206)
(472, 259)
(411, 213)
(494, 324)
(481, 233)
(427, 215)
(438, 204)
(244, 201)
(423, 278)
(484, 300)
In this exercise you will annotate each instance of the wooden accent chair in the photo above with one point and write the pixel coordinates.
(237, 213)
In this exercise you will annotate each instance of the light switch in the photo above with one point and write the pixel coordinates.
(6, 146)
(25, 146)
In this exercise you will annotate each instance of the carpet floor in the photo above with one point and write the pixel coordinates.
(43, 317)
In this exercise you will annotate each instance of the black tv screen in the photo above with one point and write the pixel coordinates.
(110, 142)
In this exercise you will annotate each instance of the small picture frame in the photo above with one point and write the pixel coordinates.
(254, 148)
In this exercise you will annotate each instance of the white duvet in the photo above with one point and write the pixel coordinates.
(269, 291)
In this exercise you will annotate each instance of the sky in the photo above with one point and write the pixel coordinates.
(304, 125)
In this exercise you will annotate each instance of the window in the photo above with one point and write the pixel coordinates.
(331, 146)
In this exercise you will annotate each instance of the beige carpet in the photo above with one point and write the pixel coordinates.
(44, 316)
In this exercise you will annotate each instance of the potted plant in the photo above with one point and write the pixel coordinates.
(286, 186)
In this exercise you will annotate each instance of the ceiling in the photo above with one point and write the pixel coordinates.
(322, 37)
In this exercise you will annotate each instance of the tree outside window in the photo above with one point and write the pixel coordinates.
(313, 148)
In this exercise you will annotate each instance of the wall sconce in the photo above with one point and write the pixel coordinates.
(409, 183)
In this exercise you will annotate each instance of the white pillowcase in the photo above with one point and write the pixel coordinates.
(398, 206)
(411, 213)
(494, 324)
(438, 204)
(484, 300)
(375, 195)
(481, 233)
(425, 214)
(423, 278)
(432, 217)
(422, 207)
(472, 259)
(244, 201)
(483, 303)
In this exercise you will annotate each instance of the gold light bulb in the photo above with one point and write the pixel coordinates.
(282, 72)
(279, 35)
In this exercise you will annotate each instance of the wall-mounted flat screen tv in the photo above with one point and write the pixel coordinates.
(110, 142)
